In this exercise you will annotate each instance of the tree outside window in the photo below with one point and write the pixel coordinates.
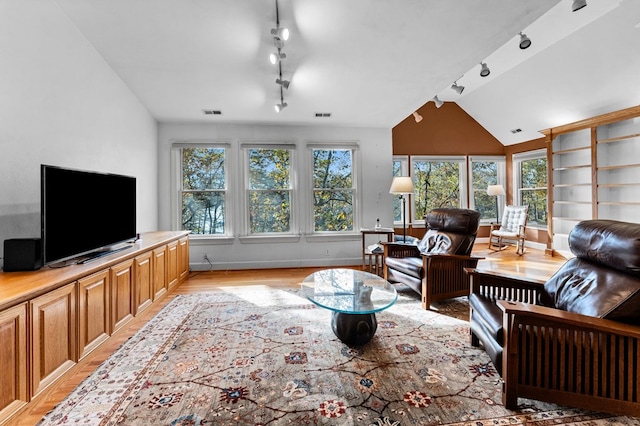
(203, 190)
(333, 190)
(485, 172)
(533, 189)
(269, 190)
(436, 184)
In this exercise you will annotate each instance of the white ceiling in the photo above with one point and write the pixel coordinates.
(370, 63)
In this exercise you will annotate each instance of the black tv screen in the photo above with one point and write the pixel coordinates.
(84, 212)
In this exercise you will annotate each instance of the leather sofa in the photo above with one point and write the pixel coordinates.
(434, 267)
(574, 339)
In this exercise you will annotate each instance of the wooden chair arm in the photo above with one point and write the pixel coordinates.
(536, 314)
(452, 257)
(505, 287)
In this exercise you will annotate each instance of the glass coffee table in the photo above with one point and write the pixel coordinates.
(354, 297)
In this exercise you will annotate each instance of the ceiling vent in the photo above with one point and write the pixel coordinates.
(211, 112)
(323, 114)
(514, 131)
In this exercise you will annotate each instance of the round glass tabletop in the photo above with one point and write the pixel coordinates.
(349, 291)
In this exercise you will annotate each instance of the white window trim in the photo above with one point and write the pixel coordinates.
(176, 187)
(311, 234)
(516, 159)
(404, 171)
(245, 234)
(501, 180)
(462, 181)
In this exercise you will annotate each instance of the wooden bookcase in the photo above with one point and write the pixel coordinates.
(594, 172)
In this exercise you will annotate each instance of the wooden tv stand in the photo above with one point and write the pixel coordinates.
(52, 318)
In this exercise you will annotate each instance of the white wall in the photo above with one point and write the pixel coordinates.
(61, 104)
(375, 154)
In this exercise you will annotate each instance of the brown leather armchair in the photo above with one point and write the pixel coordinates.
(574, 339)
(434, 268)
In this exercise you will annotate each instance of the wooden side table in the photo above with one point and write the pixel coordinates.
(374, 262)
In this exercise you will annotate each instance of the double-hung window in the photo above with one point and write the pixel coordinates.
(485, 171)
(530, 182)
(437, 182)
(400, 168)
(334, 189)
(203, 189)
(269, 189)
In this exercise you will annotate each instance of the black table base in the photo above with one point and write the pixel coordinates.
(354, 329)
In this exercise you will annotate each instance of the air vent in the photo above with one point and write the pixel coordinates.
(211, 112)
(514, 131)
(323, 114)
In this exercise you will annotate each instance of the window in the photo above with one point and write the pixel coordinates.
(400, 168)
(203, 189)
(485, 171)
(269, 190)
(438, 182)
(333, 190)
(530, 174)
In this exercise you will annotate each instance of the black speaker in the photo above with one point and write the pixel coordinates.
(22, 254)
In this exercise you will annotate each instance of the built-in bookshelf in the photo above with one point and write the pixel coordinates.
(594, 172)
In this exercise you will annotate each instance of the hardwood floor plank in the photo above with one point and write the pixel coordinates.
(534, 264)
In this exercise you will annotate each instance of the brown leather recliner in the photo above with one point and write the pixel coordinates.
(434, 268)
(574, 339)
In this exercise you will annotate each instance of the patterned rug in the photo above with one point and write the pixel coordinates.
(258, 356)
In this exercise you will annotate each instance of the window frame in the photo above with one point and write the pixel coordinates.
(501, 179)
(462, 181)
(356, 180)
(403, 170)
(176, 178)
(516, 165)
(245, 225)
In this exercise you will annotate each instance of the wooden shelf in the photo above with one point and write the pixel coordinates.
(570, 150)
(622, 166)
(619, 138)
(570, 185)
(579, 166)
(617, 185)
(619, 203)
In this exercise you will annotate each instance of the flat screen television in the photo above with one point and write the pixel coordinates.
(85, 213)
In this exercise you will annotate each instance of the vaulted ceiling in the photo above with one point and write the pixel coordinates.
(370, 63)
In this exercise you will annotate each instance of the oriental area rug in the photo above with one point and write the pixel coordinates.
(259, 356)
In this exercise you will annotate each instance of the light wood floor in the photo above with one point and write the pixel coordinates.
(534, 264)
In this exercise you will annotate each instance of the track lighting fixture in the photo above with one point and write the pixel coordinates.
(524, 41)
(276, 57)
(417, 116)
(437, 101)
(283, 83)
(484, 70)
(457, 88)
(280, 33)
(578, 4)
(279, 107)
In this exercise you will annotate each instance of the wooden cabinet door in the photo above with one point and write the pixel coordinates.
(143, 283)
(172, 264)
(53, 336)
(13, 360)
(93, 311)
(159, 272)
(121, 294)
(183, 258)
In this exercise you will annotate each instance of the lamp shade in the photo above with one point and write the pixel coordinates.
(495, 190)
(401, 185)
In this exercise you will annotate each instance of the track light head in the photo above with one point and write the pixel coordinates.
(276, 57)
(457, 88)
(280, 33)
(437, 101)
(578, 4)
(417, 116)
(283, 83)
(525, 41)
(281, 106)
(484, 70)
